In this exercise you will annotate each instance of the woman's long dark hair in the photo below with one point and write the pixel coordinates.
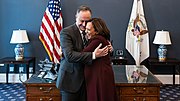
(100, 27)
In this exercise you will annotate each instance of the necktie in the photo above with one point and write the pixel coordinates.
(84, 38)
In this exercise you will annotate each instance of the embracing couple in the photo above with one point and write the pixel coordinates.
(85, 72)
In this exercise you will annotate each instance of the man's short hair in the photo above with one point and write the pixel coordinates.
(83, 8)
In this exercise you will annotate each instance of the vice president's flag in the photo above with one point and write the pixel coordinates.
(137, 37)
(50, 30)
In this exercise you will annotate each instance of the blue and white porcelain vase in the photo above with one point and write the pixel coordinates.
(162, 51)
(19, 52)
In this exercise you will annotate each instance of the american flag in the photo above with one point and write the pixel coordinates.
(50, 30)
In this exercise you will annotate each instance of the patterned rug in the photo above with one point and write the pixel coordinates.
(12, 92)
(16, 92)
(170, 93)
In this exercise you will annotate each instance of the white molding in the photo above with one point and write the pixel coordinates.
(13, 78)
(168, 79)
(1, 64)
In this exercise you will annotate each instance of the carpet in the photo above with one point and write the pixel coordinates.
(12, 92)
(170, 93)
(16, 92)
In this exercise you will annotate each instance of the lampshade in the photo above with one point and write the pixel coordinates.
(19, 36)
(162, 37)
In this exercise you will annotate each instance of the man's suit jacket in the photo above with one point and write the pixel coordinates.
(71, 71)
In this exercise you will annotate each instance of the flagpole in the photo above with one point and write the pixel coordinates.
(137, 36)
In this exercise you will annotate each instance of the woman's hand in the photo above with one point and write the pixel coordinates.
(110, 47)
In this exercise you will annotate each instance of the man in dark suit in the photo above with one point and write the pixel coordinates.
(71, 73)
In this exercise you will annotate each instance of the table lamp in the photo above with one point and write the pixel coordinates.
(19, 37)
(162, 38)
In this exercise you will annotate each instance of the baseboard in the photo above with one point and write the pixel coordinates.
(168, 79)
(13, 78)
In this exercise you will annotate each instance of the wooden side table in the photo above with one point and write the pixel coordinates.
(170, 62)
(11, 60)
